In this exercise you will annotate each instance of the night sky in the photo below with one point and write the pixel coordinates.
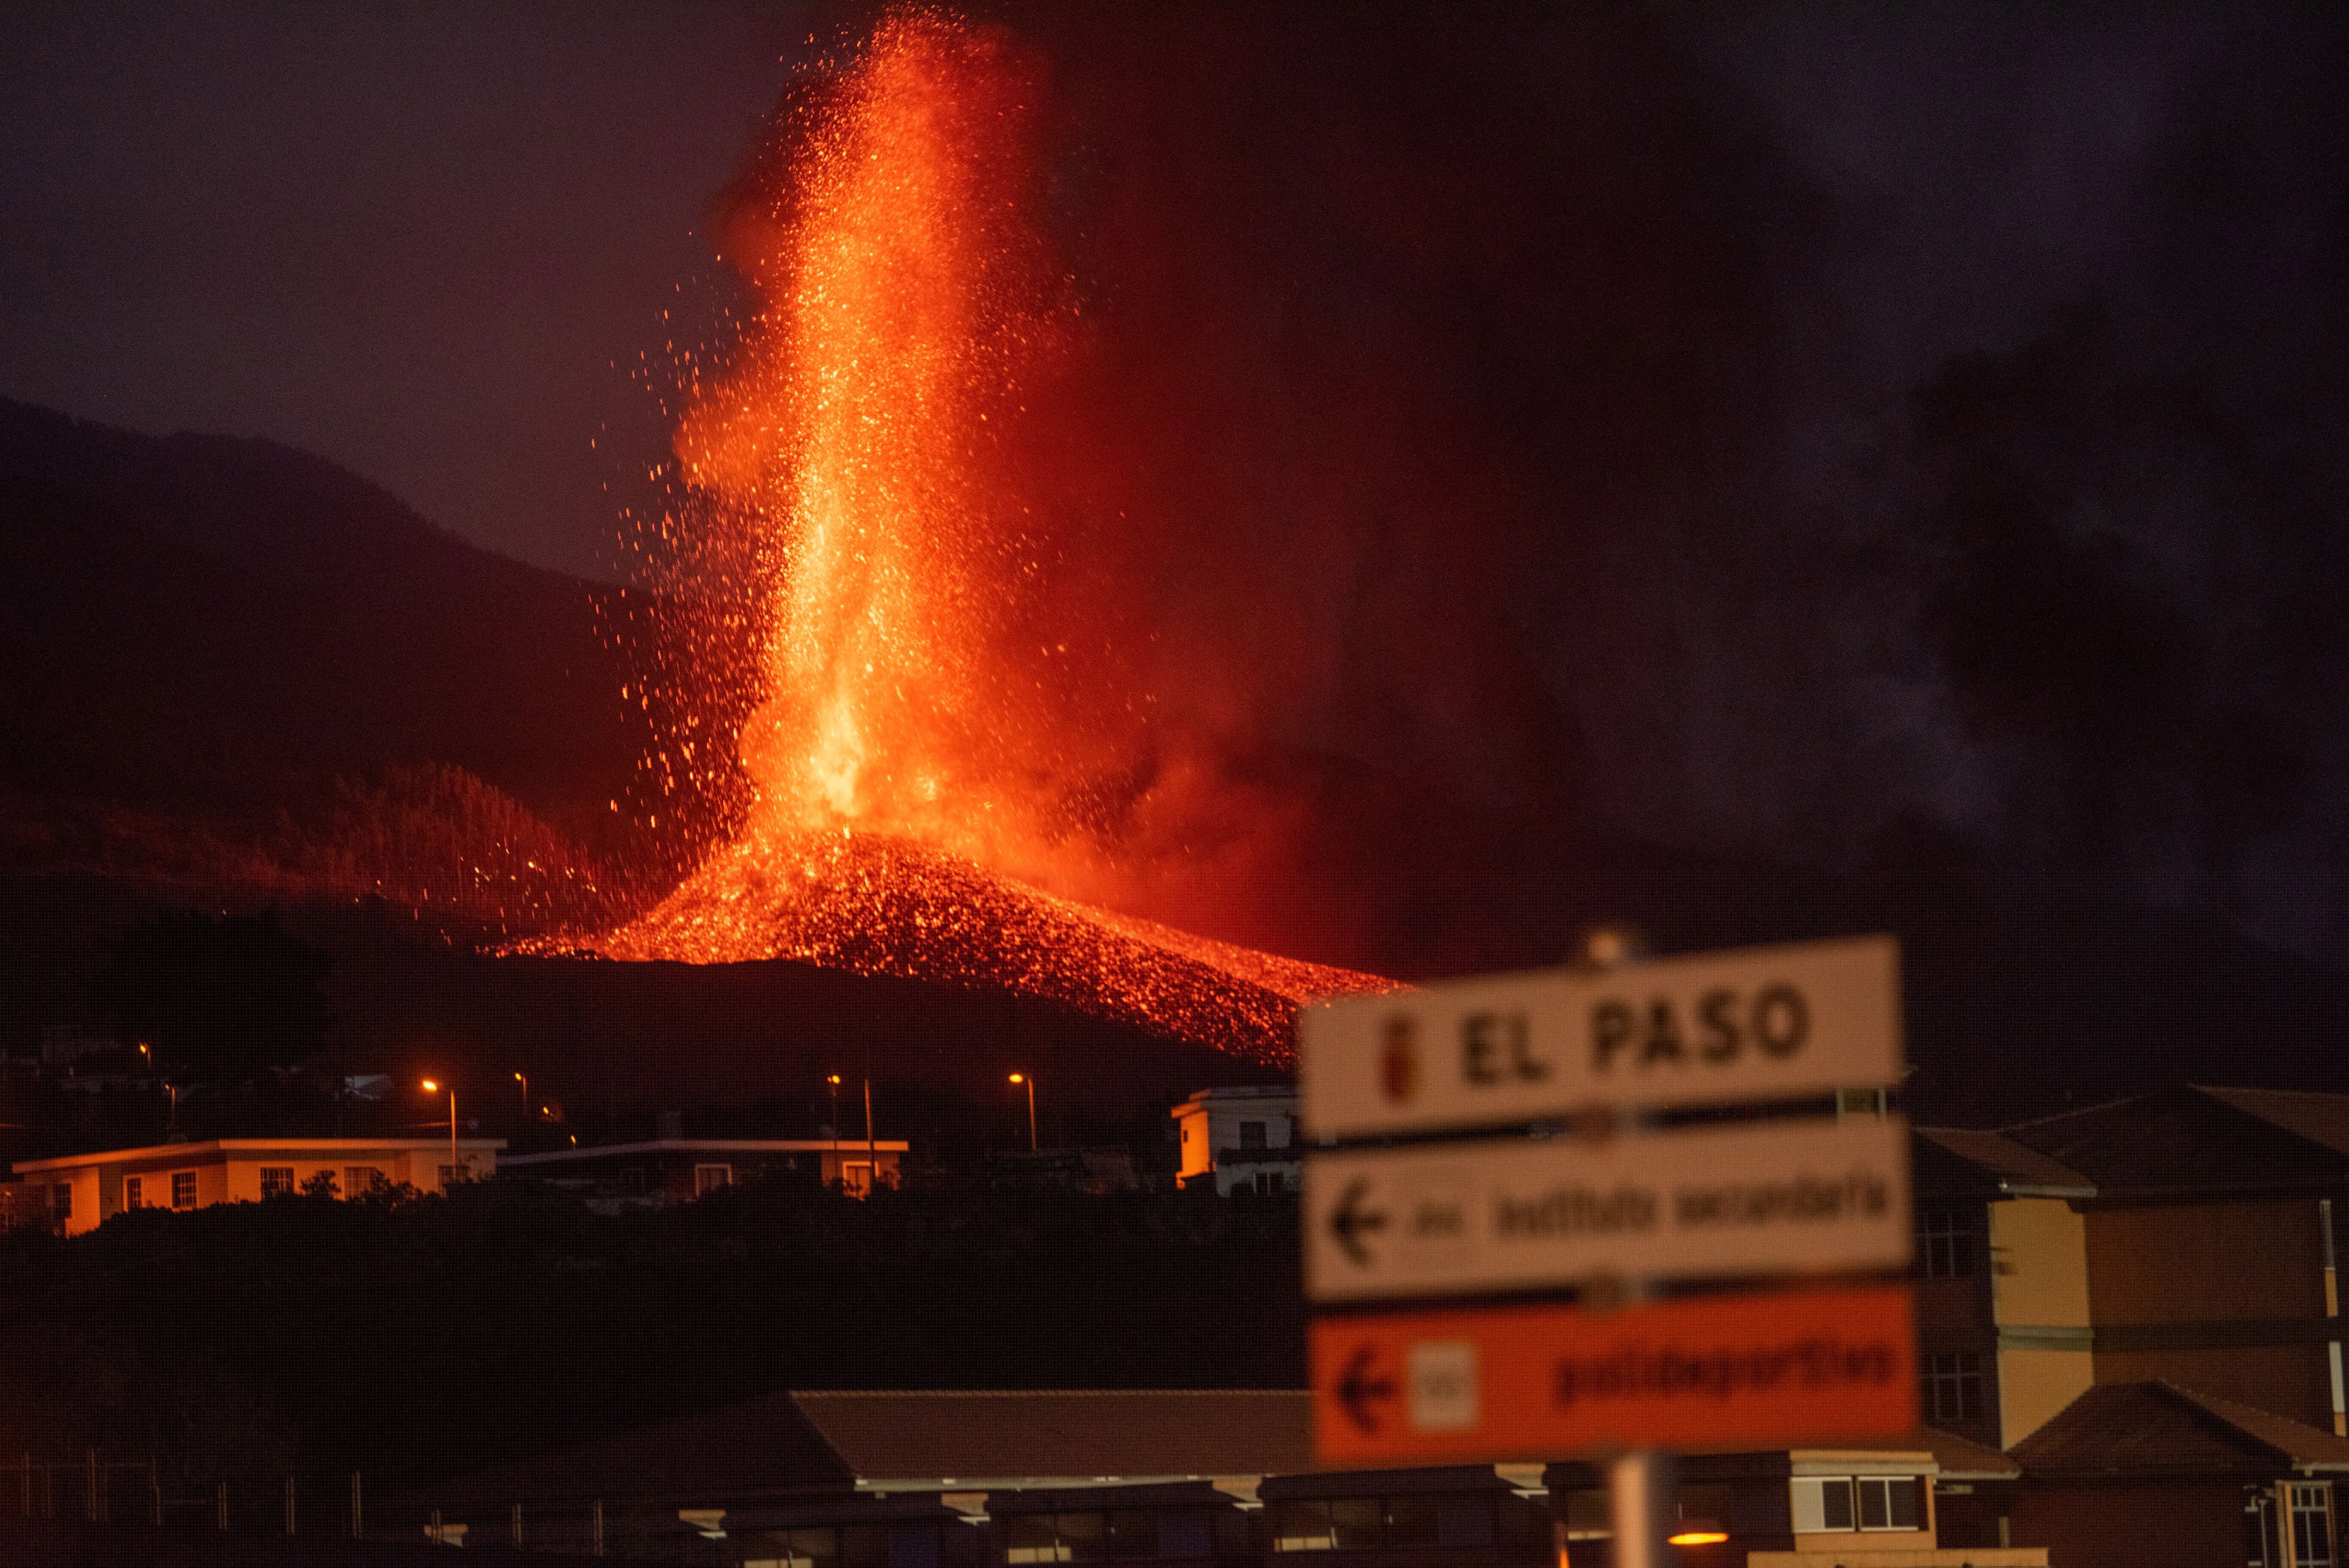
(1860, 438)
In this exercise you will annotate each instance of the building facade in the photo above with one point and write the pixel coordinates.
(679, 1169)
(1242, 1137)
(84, 1190)
(2188, 1235)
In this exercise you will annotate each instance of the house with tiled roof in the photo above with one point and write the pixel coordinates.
(2154, 1475)
(2189, 1234)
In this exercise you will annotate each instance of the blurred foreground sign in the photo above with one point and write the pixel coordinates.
(1547, 1382)
(1756, 1023)
(1521, 1213)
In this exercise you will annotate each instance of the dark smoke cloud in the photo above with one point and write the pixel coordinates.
(1861, 442)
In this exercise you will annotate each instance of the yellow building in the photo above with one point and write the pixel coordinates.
(87, 1189)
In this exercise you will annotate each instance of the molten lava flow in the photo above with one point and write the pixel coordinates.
(945, 739)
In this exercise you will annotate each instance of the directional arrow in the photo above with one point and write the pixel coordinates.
(1358, 1391)
(1349, 1221)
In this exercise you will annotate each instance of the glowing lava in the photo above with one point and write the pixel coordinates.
(944, 738)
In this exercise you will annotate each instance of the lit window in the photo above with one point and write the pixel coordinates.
(277, 1181)
(1953, 1387)
(711, 1178)
(134, 1193)
(450, 1175)
(2312, 1525)
(183, 1190)
(61, 1201)
(360, 1180)
(1945, 1245)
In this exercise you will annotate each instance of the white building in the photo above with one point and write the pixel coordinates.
(1243, 1137)
(87, 1189)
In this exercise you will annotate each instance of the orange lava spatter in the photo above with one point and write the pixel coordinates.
(939, 732)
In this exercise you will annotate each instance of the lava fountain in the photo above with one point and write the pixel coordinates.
(946, 755)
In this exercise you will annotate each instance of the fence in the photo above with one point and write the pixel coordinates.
(125, 1496)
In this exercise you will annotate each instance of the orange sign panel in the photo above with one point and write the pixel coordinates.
(1770, 1370)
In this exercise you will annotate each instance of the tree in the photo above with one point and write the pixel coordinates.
(226, 997)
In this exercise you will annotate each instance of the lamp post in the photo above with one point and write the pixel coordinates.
(1030, 1082)
(433, 1088)
(523, 1079)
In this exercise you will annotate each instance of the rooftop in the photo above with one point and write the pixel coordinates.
(2158, 1429)
(711, 1145)
(2012, 1167)
(228, 1146)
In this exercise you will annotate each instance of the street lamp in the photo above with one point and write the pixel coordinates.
(523, 1079)
(1024, 1078)
(432, 1088)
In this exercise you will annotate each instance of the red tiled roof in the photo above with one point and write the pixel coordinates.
(2159, 1428)
(2318, 1118)
(2009, 1163)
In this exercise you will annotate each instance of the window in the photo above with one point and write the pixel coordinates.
(360, 1180)
(134, 1193)
(1353, 1523)
(61, 1201)
(450, 1175)
(2312, 1525)
(1057, 1536)
(1887, 1503)
(1953, 1387)
(711, 1178)
(1822, 1502)
(1410, 1521)
(183, 1190)
(277, 1181)
(1946, 1244)
(1186, 1535)
(1252, 1135)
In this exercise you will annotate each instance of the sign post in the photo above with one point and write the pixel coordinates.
(1537, 1165)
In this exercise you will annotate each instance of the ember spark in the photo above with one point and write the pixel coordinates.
(942, 753)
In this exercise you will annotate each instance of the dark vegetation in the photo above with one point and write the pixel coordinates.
(434, 1336)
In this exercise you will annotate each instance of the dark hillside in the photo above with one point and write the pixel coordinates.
(224, 627)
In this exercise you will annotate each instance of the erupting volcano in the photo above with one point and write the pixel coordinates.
(949, 759)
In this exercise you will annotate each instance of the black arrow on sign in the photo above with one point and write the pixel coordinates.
(1358, 1391)
(1349, 1223)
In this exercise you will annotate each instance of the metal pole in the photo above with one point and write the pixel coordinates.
(289, 1505)
(90, 1485)
(1641, 1487)
(517, 1527)
(435, 1527)
(452, 1128)
(1031, 1113)
(595, 1530)
(221, 1498)
(871, 1160)
(359, 1515)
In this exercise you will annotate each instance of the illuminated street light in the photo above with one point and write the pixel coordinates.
(1030, 1082)
(523, 1079)
(433, 1088)
(1699, 1533)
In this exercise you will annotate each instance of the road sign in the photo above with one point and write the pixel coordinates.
(1537, 1383)
(1758, 1023)
(1520, 1213)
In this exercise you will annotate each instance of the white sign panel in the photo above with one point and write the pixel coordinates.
(1757, 1024)
(1516, 1214)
